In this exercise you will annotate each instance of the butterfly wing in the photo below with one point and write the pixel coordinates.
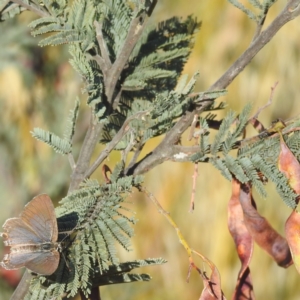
(39, 215)
(44, 263)
(40, 262)
(17, 232)
(36, 225)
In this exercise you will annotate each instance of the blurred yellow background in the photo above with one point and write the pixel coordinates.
(34, 80)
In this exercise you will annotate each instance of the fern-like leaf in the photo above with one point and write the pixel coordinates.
(241, 124)
(252, 174)
(245, 10)
(220, 165)
(70, 129)
(223, 131)
(60, 145)
(99, 223)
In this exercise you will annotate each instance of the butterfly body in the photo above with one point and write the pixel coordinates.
(32, 238)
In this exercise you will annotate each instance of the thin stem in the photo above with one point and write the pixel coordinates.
(266, 105)
(257, 137)
(103, 48)
(260, 26)
(33, 8)
(71, 161)
(129, 147)
(180, 236)
(164, 150)
(195, 175)
(135, 157)
(135, 30)
(193, 126)
(117, 138)
(113, 71)
(166, 214)
(87, 149)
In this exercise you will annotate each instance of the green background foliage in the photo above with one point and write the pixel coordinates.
(38, 88)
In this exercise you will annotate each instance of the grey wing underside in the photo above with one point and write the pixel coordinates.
(39, 213)
(17, 232)
(40, 262)
(37, 224)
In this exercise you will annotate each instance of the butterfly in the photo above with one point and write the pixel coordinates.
(32, 238)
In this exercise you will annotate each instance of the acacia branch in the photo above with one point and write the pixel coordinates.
(103, 60)
(163, 152)
(113, 71)
(134, 33)
(90, 141)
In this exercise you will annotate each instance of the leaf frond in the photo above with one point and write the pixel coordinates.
(60, 145)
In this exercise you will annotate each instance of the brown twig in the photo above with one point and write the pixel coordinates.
(90, 141)
(195, 175)
(273, 135)
(112, 71)
(103, 155)
(255, 116)
(182, 241)
(103, 60)
(71, 161)
(260, 26)
(193, 127)
(39, 11)
(136, 154)
(170, 220)
(254, 119)
(129, 147)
